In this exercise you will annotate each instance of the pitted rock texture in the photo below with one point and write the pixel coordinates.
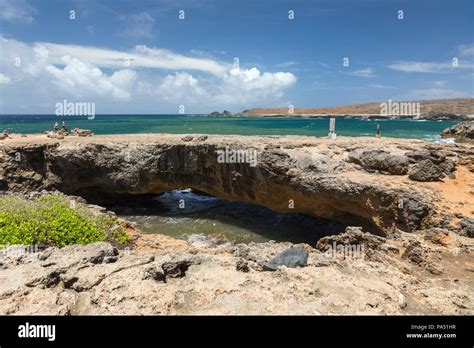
(429, 272)
(349, 180)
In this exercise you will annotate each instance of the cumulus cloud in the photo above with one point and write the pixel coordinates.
(249, 86)
(180, 87)
(238, 87)
(104, 75)
(82, 79)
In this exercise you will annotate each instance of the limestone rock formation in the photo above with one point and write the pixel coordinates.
(409, 274)
(380, 160)
(461, 131)
(348, 180)
(426, 170)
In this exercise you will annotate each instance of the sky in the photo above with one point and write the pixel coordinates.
(165, 56)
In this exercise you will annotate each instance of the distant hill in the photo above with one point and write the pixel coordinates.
(458, 106)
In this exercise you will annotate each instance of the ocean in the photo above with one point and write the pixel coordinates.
(189, 124)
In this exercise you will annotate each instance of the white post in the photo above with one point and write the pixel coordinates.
(332, 128)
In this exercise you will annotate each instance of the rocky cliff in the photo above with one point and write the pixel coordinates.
(463, 131)
(455, 109)
(381, 184)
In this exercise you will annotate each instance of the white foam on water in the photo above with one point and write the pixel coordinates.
(439, 140)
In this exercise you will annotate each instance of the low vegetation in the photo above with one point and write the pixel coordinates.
(54, 220)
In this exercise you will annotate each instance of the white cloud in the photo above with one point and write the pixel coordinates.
(248, 86)
(139, 57)
(181, 87)
(84, 80)
(429, 67)
(16, 11)
(240, 87)
(4, 79)
(49, 72)
(367, 72)
(466, 50)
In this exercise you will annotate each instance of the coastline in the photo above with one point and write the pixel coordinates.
(416, 249)
(375, 116)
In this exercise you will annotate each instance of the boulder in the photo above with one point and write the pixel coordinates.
(435, 156)
(291, 257)
(463, 130)
(380, 160)
(438, 158)
(426, 170)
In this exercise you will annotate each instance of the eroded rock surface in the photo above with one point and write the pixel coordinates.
(359, 181)
(430, 272)
(462, 131)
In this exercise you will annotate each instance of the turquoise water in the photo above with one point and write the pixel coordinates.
(233, 221)
(183, 124)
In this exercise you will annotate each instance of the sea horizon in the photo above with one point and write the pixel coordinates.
(104, 124)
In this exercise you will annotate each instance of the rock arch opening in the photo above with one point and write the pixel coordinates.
(184, 213)
(289, 177)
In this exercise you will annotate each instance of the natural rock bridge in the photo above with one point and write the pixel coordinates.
(318, 177)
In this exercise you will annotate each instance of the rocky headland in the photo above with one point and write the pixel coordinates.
(411, 200)
(463, 131)
(457, 109)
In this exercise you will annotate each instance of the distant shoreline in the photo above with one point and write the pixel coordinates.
(366, 116)
(448, 109)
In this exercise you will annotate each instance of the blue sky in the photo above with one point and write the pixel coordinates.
(139, 57)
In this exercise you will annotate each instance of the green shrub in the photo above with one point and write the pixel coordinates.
(53, 220)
